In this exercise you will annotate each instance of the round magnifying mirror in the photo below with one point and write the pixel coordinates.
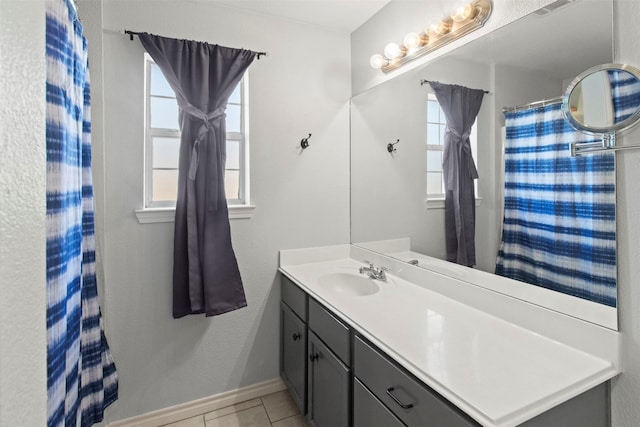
(603, 99)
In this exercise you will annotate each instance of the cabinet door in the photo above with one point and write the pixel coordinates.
(293, 360)
(328, 401)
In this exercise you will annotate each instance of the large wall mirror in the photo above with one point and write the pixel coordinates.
(534, 58)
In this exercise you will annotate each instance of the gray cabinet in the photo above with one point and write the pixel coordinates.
(339, 379)
(293, 351)
(329, 378)
(315, 349)
(410, 400)
(293, 342)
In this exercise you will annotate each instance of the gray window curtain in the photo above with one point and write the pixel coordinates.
(206, 278)
(461, 106)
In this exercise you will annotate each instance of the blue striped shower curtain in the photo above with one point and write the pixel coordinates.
(625, 91)
(81, 375)
(559, 228)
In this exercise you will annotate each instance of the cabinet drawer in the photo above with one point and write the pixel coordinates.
(369, 411)
(330, 330)
(294, 297)
(410, 400)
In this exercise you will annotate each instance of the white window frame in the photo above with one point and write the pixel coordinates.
(164, 211)
(436, 201)
(434, 148)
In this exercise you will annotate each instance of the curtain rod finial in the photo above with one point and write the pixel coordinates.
(130, 33)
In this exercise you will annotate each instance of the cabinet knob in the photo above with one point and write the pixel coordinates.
(297, 336)
(395, 399)
(314, 357)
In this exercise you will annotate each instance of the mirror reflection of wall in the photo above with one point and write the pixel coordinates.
(389, 194)
(590, 103)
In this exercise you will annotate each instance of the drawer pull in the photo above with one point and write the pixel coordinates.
(297, 336)
(395, 399)
(314, 357)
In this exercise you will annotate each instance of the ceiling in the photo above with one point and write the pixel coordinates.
(338, 15)
(534, 42)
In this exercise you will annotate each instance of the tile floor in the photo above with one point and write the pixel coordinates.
(273, 410)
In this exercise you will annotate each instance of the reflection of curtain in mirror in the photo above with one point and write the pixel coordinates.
(625, 91)
(559, 214)
(460, 106)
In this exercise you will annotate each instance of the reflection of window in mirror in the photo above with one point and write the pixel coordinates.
(436, 125)
(162, 141)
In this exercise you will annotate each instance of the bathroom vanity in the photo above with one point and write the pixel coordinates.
(421, 348)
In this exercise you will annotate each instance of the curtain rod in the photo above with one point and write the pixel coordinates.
(422, 82)
(135, 33)
(534, 104)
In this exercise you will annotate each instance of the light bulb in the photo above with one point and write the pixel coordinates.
(377, 61)
(439, 29)
(464, 13)
(413, 41)
(393, 51)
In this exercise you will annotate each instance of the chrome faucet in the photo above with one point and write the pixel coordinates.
(378, 273)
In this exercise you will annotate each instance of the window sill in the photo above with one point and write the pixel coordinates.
(438, 203)
(154, 215)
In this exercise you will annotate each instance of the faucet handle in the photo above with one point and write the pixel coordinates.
(368, 262)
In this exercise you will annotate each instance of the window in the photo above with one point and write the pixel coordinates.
(436, 125)
(162, 142)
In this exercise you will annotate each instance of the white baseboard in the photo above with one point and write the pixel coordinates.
(201, 406)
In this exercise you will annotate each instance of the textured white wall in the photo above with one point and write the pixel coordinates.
(23, 377)
(301, 87)
(626, 388)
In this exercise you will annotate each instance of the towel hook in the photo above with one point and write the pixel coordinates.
(304, 142)
(390, 146)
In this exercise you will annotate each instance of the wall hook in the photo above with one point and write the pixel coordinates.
(390, 146)
(304, 142)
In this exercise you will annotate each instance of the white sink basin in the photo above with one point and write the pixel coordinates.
(349, 284)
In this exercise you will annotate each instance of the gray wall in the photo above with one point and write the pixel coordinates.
(301, 86)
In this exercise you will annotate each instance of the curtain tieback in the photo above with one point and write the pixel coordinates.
(471, 166)
(462, 137)
(465, 150)
(208, 120)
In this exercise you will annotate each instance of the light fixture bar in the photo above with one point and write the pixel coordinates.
(483, 9)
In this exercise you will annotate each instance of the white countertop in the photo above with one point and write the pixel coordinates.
(497, 372)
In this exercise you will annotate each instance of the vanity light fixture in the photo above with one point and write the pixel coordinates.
(461, 22)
